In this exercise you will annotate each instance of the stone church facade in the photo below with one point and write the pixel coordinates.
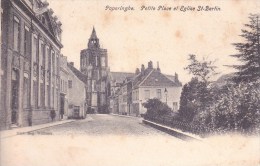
(94, 64)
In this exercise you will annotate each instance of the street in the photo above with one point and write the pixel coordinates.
(114, 141)
(104, 125)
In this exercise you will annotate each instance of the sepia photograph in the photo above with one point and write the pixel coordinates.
(130, 82)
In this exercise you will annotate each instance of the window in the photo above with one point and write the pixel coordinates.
(35, 93)
(42, 101)
(1, 19)
(61, 83)
(27, 42)
(16, 34)
(103, 61)
(43, 54)
(48, 96)
(53, 96)
(43, 20)
(34, 50)
(175, 106)
(53, 62)
(65, 86)
(94, 86)
(70, 84)
(57, 64)
(159, 93)
(26, 93)
(147, 94)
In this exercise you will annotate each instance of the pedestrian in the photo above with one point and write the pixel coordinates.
(53, 115)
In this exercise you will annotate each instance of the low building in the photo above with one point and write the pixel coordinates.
(77, 91)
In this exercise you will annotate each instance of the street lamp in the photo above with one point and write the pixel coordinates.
(166, 94)
(140, 108)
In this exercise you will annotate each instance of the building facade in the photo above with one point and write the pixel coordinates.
(145, 84)
(64, 75)
(94, 64)
(31, 44)
(77, 91)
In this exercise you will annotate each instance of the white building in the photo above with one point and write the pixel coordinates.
(151, 83)
(76, 94)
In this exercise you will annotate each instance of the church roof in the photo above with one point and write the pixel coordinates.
(119, 77)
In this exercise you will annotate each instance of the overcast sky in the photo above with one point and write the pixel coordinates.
(135, 37)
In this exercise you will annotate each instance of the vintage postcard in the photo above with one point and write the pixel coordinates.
(130, 82)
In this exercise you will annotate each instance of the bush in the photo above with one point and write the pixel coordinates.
(236, 108)
(156, 108)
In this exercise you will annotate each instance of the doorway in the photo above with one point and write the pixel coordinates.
(62, 101)
(14, 96)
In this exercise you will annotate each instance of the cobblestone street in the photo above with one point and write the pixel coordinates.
(113, 141)
(105, 125)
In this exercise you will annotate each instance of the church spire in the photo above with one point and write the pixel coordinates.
(93, 41)
(93, 35)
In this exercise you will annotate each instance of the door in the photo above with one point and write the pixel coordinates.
(62, 103)
(14, 96)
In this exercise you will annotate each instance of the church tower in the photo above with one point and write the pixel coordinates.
(94, 64)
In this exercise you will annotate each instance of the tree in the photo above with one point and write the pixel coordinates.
(202, 70)
(188, 106)
(196, 95)
(156, 108)
(249, 51)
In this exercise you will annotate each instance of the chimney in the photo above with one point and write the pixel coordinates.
(72, 64)
(176, 77)
(158, 67)
(137, 71)
(150, 65)
(142, 69)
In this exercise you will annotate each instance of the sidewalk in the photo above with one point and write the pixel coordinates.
(15, 131)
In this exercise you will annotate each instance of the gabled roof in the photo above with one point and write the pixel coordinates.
(119, 77)
(154, 78)
(80, 75)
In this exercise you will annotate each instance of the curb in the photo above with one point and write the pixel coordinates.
(11, 133)
(126, 116)
(172, 131)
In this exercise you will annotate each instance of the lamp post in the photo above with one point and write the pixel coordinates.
(140, 108)
(166, 94)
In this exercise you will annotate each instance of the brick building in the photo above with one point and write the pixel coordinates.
(94, 64)
(30, 51)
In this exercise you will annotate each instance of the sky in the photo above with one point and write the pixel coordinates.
(135, 37)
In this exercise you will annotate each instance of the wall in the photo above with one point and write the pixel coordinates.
(76, 95)
(174, 94)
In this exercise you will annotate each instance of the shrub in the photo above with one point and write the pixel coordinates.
(156, 108)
